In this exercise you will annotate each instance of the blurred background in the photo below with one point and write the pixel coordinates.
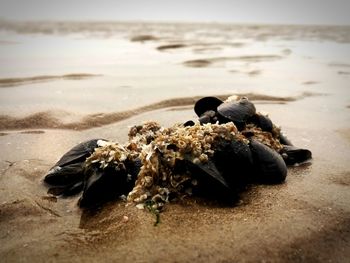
(69, 59)
(234, 11)
(71, 71)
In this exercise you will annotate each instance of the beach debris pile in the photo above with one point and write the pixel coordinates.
(230, 147)
(165, 161)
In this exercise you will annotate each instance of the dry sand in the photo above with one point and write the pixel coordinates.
(306, 219)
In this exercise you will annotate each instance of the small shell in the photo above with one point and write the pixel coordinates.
(206, 104)
(140, 206)
(203, 158)
(237, 111)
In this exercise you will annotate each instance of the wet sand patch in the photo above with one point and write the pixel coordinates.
(344, 72)
(200, 46)
(49, 120)
(311, 82)
(204, 50)
(11, 82)
(198, 63)
(32, 132)
(251, 73)
(251, 58)
(206, 43)
(254, 73)
(342, 179)
(339, 65)
(143, 38)
(270, 102)
(18, 208)
(180, 108)
(286, 52)
(204, 47)
(320, 246)
(171, 46)
(237, 44)
(8, 42)
(345, 133)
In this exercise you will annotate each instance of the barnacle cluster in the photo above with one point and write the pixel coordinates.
(158, 178)
(110, 154)
(270, 139)
(161, 149)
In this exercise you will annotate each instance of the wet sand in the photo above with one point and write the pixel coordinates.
(10, 82)
(305, 219)
(48, 120)
(209, 61)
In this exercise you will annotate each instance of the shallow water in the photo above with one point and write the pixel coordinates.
(131, 73)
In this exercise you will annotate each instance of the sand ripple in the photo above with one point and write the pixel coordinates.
(198, 63)
(143, 38)
(171, 46)
(49, 120)
(11, 82)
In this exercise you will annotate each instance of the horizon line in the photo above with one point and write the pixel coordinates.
(98, 20)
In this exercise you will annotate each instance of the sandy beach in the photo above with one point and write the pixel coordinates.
(65, 82)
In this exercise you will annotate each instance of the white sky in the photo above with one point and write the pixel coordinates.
(237, 11)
